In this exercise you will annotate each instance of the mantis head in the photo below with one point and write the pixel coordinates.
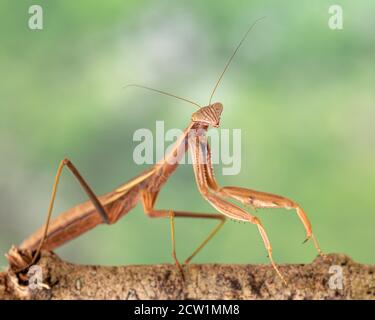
(209, 115)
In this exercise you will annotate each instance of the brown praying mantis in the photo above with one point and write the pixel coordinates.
(144, 188)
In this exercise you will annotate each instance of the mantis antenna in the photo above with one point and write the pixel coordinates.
(231, 58)
(162, 92)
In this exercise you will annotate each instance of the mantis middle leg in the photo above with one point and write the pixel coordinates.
(149, 199)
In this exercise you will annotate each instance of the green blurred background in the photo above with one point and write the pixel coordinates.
(302, 94)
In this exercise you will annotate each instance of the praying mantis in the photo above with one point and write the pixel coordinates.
(145, 187)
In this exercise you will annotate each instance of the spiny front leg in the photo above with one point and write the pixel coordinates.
(234, 212)
(226, 208)
(258, 199)
(252, 198)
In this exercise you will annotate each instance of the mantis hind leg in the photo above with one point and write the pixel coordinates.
(94, 199)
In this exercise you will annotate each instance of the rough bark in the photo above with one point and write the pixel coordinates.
(63, 280)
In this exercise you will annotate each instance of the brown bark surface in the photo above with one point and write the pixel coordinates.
(63, 280)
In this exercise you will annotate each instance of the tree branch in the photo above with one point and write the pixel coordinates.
(63, 280)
